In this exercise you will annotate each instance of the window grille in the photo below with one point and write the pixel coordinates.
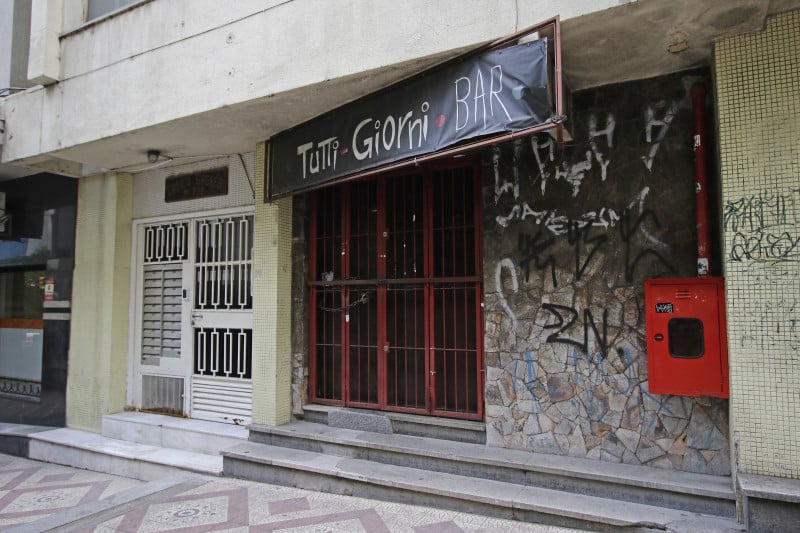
(223, 267)
(166, 242)
(223, 352)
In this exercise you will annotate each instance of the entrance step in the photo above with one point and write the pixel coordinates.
(475, 478)
(15, 438)
(90, 451)
(138, 445)
(399, 423)
(185, 434)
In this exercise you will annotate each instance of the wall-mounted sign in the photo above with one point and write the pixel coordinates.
(49, 289)
(196, 185)
(495, 92)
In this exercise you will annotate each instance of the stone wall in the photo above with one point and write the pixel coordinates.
(569, 237)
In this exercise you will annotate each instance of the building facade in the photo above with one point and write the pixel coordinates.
(504, 286)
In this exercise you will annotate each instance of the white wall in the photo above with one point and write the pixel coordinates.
(180, 70)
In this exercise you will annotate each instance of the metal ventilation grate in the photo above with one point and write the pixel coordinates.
(683, 294)
(162, 394)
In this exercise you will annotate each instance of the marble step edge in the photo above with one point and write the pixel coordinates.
(579, 507)
(719, 487)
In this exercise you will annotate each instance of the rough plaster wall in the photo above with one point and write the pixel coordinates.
(569, 238)
(758, 80)
(148, 187)
(99, 329)
(300, 309)
(272, 282)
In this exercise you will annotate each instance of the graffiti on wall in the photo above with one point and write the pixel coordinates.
(762, 227)
(575, 233)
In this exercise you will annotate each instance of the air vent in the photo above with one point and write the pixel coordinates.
(162, 394)
(683, 294)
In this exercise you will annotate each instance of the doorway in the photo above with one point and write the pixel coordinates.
(193, 347)
(395, 267)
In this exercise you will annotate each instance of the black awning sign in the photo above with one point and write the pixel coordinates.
(495, 92)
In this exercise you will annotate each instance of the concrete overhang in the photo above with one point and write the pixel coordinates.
(649, 38)
(636, 40)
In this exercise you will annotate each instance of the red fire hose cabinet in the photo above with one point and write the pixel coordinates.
(687, 347)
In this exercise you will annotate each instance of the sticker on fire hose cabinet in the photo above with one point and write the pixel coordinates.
(664, 308)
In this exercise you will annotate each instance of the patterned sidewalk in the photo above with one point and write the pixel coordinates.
(38, 496)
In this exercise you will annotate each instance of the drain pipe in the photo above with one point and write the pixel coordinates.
(701, 180)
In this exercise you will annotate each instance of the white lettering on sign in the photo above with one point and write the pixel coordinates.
(465, 90)
(320, 157)
(391, 133)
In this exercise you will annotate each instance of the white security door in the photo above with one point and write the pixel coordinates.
(222, 319)
(195, 326)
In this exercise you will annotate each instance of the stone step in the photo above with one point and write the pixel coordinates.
(90, 451)
(14, 438)
(363, 478)
(697, 493)
(186, 434)
(397, 423)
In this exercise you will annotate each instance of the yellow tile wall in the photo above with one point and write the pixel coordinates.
(272, 304)
(758, 98)
(98, 347)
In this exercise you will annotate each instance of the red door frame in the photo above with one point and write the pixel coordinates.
(382, 283)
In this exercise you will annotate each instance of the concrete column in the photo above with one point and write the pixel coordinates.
(98, 350)
(272, 285)
(44, 59)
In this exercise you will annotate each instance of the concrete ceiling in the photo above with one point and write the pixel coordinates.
(649, 38)
(639, 39)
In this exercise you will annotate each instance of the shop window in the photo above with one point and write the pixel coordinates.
(21, 331)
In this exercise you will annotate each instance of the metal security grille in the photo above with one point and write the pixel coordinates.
(395, 291)
(196, 318)
(166, 242)
(223, 263)
(162, 394)
(223, 352)
(161, 312)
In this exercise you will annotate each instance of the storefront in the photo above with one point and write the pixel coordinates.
(37, 243)
(505, 285)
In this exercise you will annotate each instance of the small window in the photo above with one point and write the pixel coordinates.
(98, 8)
(686, 339)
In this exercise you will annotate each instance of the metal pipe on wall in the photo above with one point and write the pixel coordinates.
(701, 180)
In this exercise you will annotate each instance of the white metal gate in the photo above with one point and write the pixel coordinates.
(194, 342)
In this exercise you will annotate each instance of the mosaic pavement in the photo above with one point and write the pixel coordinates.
(31, 491)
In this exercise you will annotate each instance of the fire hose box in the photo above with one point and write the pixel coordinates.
(687, 346)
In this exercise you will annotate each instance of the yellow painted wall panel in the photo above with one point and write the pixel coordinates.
(100, 304)
(758, 99)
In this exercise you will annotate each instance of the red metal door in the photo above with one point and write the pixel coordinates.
(396, 321)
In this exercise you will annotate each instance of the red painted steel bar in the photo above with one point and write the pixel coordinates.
(701, 197)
